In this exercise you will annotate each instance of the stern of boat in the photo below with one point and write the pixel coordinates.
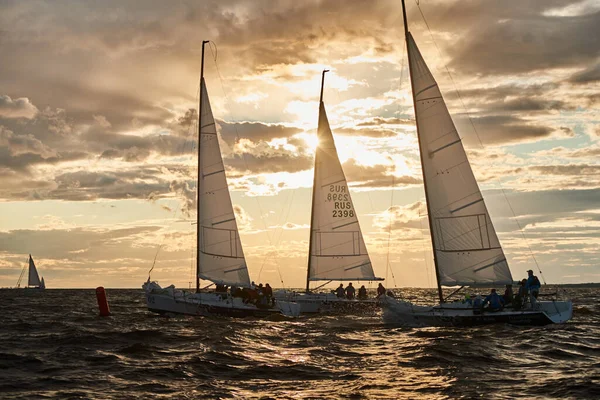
(557, 311)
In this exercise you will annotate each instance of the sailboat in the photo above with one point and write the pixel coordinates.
(220, 257)
(337, 250)
(33, 280)
(466, 249)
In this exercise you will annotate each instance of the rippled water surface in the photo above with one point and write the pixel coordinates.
(53, 345)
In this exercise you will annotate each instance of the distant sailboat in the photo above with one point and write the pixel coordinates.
(337, 250)
(220, 257)
(467, 251)
(33, 279)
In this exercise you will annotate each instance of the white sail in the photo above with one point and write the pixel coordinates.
(34, 278)
(467, 248)
(220, 249)
(338, 251)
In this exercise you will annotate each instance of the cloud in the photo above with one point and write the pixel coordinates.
(587, 76)
(17, 108)
(375, 176)
(524, 41)
(571, 169)
(254, 131)
(409, 216)
(506, 129)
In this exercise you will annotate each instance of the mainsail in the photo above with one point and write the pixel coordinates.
(466, 246)
(34, 278)
(338, 250)
(220, 253)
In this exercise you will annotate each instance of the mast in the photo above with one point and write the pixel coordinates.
(429, 215)
(312, 208)
(199, 177)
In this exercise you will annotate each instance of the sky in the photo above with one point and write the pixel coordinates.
(98, 110)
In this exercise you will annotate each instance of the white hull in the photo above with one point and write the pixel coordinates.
(312, 303)
(461, 314)
(173, 301)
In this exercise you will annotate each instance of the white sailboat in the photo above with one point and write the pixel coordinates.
(337, 250)
(466, 248)
(220, 257)
(33, 278)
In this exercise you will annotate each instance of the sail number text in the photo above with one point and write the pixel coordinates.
(342, 206)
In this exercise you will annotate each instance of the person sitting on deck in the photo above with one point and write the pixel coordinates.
(520, 296)
(350, 291)
(220, 288)
(269, 294)
(340, 292)
(362, 293)
(496, 303)
(380, 290)
(508, 295)
(533, 286)
(477, 305)
(468, 299)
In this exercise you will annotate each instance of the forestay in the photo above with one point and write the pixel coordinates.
(220, 249)
(467, 248)
(34, 278)
(338, 251)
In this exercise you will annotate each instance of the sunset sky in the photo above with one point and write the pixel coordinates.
(97, 130)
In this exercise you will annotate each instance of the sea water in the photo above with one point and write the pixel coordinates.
(53, 344)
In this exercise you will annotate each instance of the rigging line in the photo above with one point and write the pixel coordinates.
(191, 128)
(280, 232)
(387, 261)
(238, 138)
(481, 145)
(423, 234)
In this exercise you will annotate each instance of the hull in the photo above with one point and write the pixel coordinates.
(313, 303)
(172, 301)
(457, 314)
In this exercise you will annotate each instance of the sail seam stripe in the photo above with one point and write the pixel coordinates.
(222, 222)
(221, 255)
(424, 89)
(339, 255)
(474, 265)
(489, 265)
(369, 279)
(233, 270)
(213, 173)
(430, 98)
(465, 206)
(357, 266)
(462, 251)
(445, 146)
(207, 125)
(333, 183)
(341, 226)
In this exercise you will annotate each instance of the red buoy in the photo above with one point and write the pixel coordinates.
(102, 302)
